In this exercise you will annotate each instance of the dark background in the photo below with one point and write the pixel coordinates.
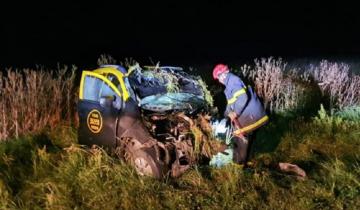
(202, 32)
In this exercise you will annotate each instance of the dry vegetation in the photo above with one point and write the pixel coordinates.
(335, 80)
(31, 100)
(284, 89)
(39, 170)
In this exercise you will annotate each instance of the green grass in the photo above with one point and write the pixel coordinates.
(43, 172)
(48, 170)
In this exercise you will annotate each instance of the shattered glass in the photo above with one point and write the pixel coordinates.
(163, 89)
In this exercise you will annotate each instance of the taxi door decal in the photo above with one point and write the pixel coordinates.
(94, 121)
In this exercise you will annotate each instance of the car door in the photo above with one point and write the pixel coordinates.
(99, 105)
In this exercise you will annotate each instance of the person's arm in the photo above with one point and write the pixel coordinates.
(240, 104)
(227, 111)
(236, 91)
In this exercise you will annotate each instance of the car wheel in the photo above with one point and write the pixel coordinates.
(146, 163)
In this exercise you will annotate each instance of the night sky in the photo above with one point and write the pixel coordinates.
(179, 33)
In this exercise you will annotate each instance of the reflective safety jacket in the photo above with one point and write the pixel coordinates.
(245, 103)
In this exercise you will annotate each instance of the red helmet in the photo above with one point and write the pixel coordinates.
(219, 69)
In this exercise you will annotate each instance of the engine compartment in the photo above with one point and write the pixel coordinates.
(184, 139)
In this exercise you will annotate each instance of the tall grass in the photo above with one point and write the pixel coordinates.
(335, 81)
(33, 99)
(284, 89)
(36, 174)
(46, 169)
(281, 89)
(105, 59)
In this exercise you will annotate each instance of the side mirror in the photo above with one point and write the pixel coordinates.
(107, 101)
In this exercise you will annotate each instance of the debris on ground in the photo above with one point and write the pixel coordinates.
(293, 169)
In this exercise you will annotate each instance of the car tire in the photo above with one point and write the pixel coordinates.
(146, 163)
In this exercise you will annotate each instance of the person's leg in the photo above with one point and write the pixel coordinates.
(240, 150)
(251, 137)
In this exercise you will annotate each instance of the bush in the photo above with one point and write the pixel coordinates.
(336, 82)
(280, 89)
(283, 89)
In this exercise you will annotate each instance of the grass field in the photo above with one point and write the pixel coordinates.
(44, 168)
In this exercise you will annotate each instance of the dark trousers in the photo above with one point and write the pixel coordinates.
(242, 147)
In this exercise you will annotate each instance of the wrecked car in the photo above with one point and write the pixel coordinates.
(154, 118)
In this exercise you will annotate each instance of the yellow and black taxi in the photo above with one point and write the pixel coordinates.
(110, 118)
(111, 109)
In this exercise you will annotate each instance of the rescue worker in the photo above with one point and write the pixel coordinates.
(244, 109)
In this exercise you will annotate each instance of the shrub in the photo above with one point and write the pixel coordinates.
(335, 81)
(280, 89)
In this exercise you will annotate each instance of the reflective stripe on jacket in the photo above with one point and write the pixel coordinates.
(245, 103)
